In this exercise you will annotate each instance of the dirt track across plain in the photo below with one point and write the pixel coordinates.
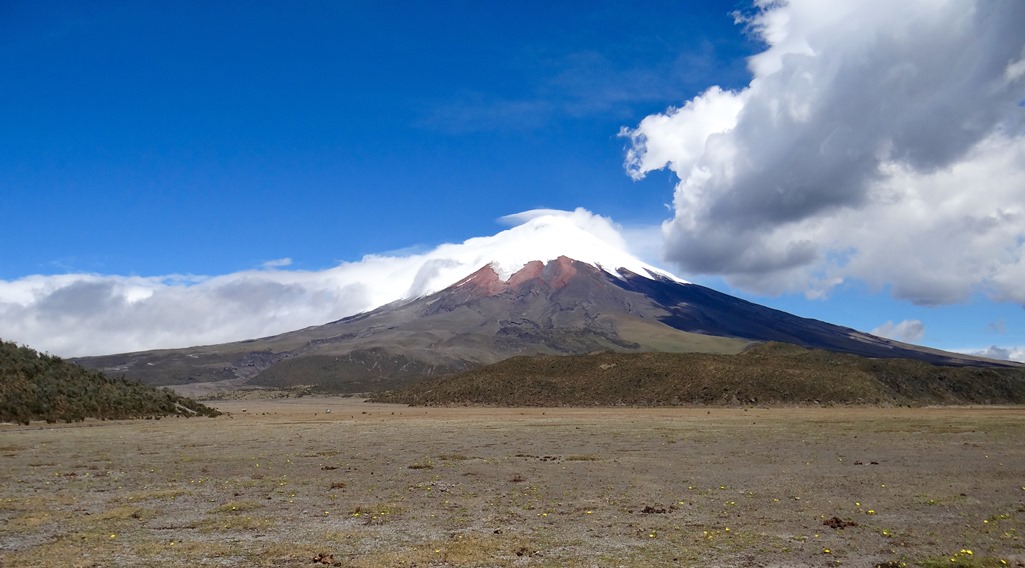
(284, 482)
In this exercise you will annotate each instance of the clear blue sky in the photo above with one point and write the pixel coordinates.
(206, 138)
(159, 137)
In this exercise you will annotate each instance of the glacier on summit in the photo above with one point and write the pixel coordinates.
(579, 235)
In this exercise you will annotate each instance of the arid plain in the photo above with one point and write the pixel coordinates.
(284, 482)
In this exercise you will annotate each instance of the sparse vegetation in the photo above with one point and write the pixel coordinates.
(279, 486)
(36, 386)
(770, 373)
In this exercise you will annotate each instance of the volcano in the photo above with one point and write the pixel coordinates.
(531, 298)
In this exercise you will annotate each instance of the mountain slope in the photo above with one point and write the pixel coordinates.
(561, 307)
(703, 310)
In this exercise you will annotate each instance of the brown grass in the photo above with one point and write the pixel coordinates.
(519, 487)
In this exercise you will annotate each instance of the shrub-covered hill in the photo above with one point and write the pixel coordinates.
(770, 373)
(34, 386)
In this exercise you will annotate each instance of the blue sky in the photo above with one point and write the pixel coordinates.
(178, 143)
(208, 137)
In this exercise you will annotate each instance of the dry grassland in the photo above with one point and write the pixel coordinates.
(284, 483)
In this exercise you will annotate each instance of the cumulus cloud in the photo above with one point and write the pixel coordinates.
(1003, 353)
(877, 141)
(92, 314)
(89, 314)
(909, 331)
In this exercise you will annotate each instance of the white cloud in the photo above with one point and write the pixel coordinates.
(1004, 353)
(909, 331)
(680, 136)
(602, 227)
(277, 263)
(877, 141)
(92, 314)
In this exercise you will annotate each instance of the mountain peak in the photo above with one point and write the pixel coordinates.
(550, 237)
(487, 282)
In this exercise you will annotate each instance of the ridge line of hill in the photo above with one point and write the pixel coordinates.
(766, 374)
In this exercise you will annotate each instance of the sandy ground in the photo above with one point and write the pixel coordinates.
(284, 482)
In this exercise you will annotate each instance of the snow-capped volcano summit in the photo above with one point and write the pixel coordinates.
(549, 237)
(541, 237)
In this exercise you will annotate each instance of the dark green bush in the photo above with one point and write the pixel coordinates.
(37, 386)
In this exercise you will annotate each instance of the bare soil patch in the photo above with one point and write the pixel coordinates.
(284, 482)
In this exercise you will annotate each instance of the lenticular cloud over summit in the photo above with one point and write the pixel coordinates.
(879, 141)
(91, 314)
